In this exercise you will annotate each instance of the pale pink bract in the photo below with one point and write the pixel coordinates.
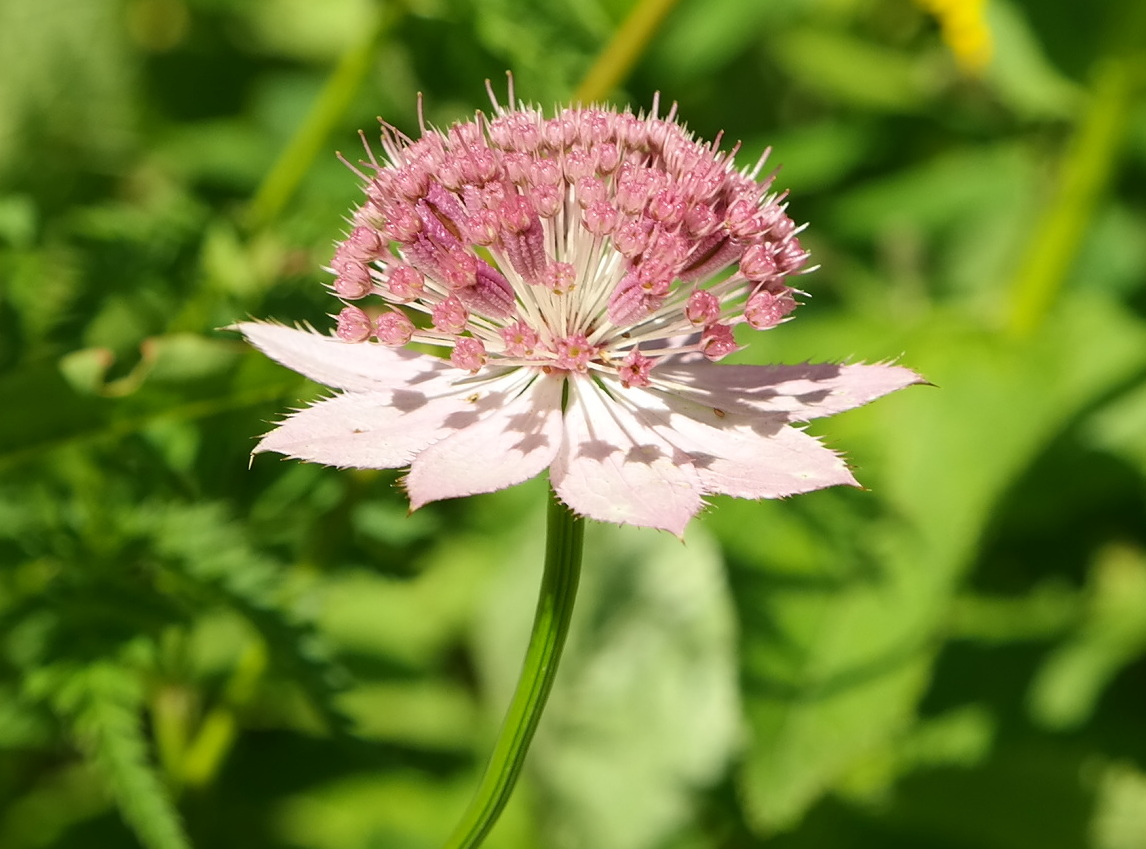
(581, 274)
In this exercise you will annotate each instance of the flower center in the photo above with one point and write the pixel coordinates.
(590, 241)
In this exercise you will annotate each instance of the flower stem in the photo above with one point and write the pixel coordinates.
(1088, 167)
(564, 537)
(289, 169)
(622, 52)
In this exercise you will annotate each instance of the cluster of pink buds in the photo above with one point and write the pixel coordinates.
(595, 242)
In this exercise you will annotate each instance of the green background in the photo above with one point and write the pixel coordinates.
(194, 652)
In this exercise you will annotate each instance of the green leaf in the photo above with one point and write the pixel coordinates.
(428, 714)
(44, 812)
(936, 194)
(699, 39)
(297, 29)
(1020, 73)
(831, 665)
(180, 377)
(392, 809)
(1120, 808)
(199, 543)
(102, 700)
(960, 738)
(20, 725)
(75, 70)
(1120, 427)
(1046, 611)
(412, 622)
(817, 156)
(548, 45)
(855, 72)
(1111, 636)
(844, 596)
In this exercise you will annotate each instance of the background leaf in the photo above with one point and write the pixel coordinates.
(273, 655)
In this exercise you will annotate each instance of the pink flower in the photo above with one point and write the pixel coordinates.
(581, 274)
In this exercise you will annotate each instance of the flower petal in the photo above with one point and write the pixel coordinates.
(612, 468)
(369, 430)
(799, 392)
(746, 456)
(516, 439)
(362, 366)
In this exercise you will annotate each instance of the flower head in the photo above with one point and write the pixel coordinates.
(581, 275)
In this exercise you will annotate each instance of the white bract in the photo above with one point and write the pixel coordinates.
(584, 273)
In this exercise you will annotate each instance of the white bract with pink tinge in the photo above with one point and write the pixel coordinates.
(584, 273)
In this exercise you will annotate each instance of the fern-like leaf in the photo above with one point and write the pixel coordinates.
(102, 703)
(201, 546)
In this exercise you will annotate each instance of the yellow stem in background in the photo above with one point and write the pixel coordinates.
(207, 750)
(171, 711)
(1084, 176)
(621, 53)
(309, 140)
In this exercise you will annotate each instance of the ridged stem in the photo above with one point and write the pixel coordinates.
(564, 537)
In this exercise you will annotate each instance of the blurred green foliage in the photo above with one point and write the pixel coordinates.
(197, 653)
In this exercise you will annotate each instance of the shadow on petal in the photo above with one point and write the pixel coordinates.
(596, 449)
(461, 420)
(499, 439)
(406, 401)
(644, 454)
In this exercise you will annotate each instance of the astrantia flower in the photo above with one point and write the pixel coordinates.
(581, 276)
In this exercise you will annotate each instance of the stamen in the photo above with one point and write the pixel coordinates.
(717, 341)
(565, 243)
(574, 353)
(354, 325)
(765, 310)
(468, 354)
(449, 316)
(634, 370)
(393, 328)
(520, 339)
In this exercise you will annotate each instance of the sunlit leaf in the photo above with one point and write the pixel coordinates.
(1111, 635)
(1120, 811)
(846, 69)
(700, 38)
(1020, 71)
(177, 378)
(838, 651)
(101, 702)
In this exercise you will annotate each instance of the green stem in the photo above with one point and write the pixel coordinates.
(621, 53)
(287, 172)
(1086, 173)
(563, 544)
(206, 753)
